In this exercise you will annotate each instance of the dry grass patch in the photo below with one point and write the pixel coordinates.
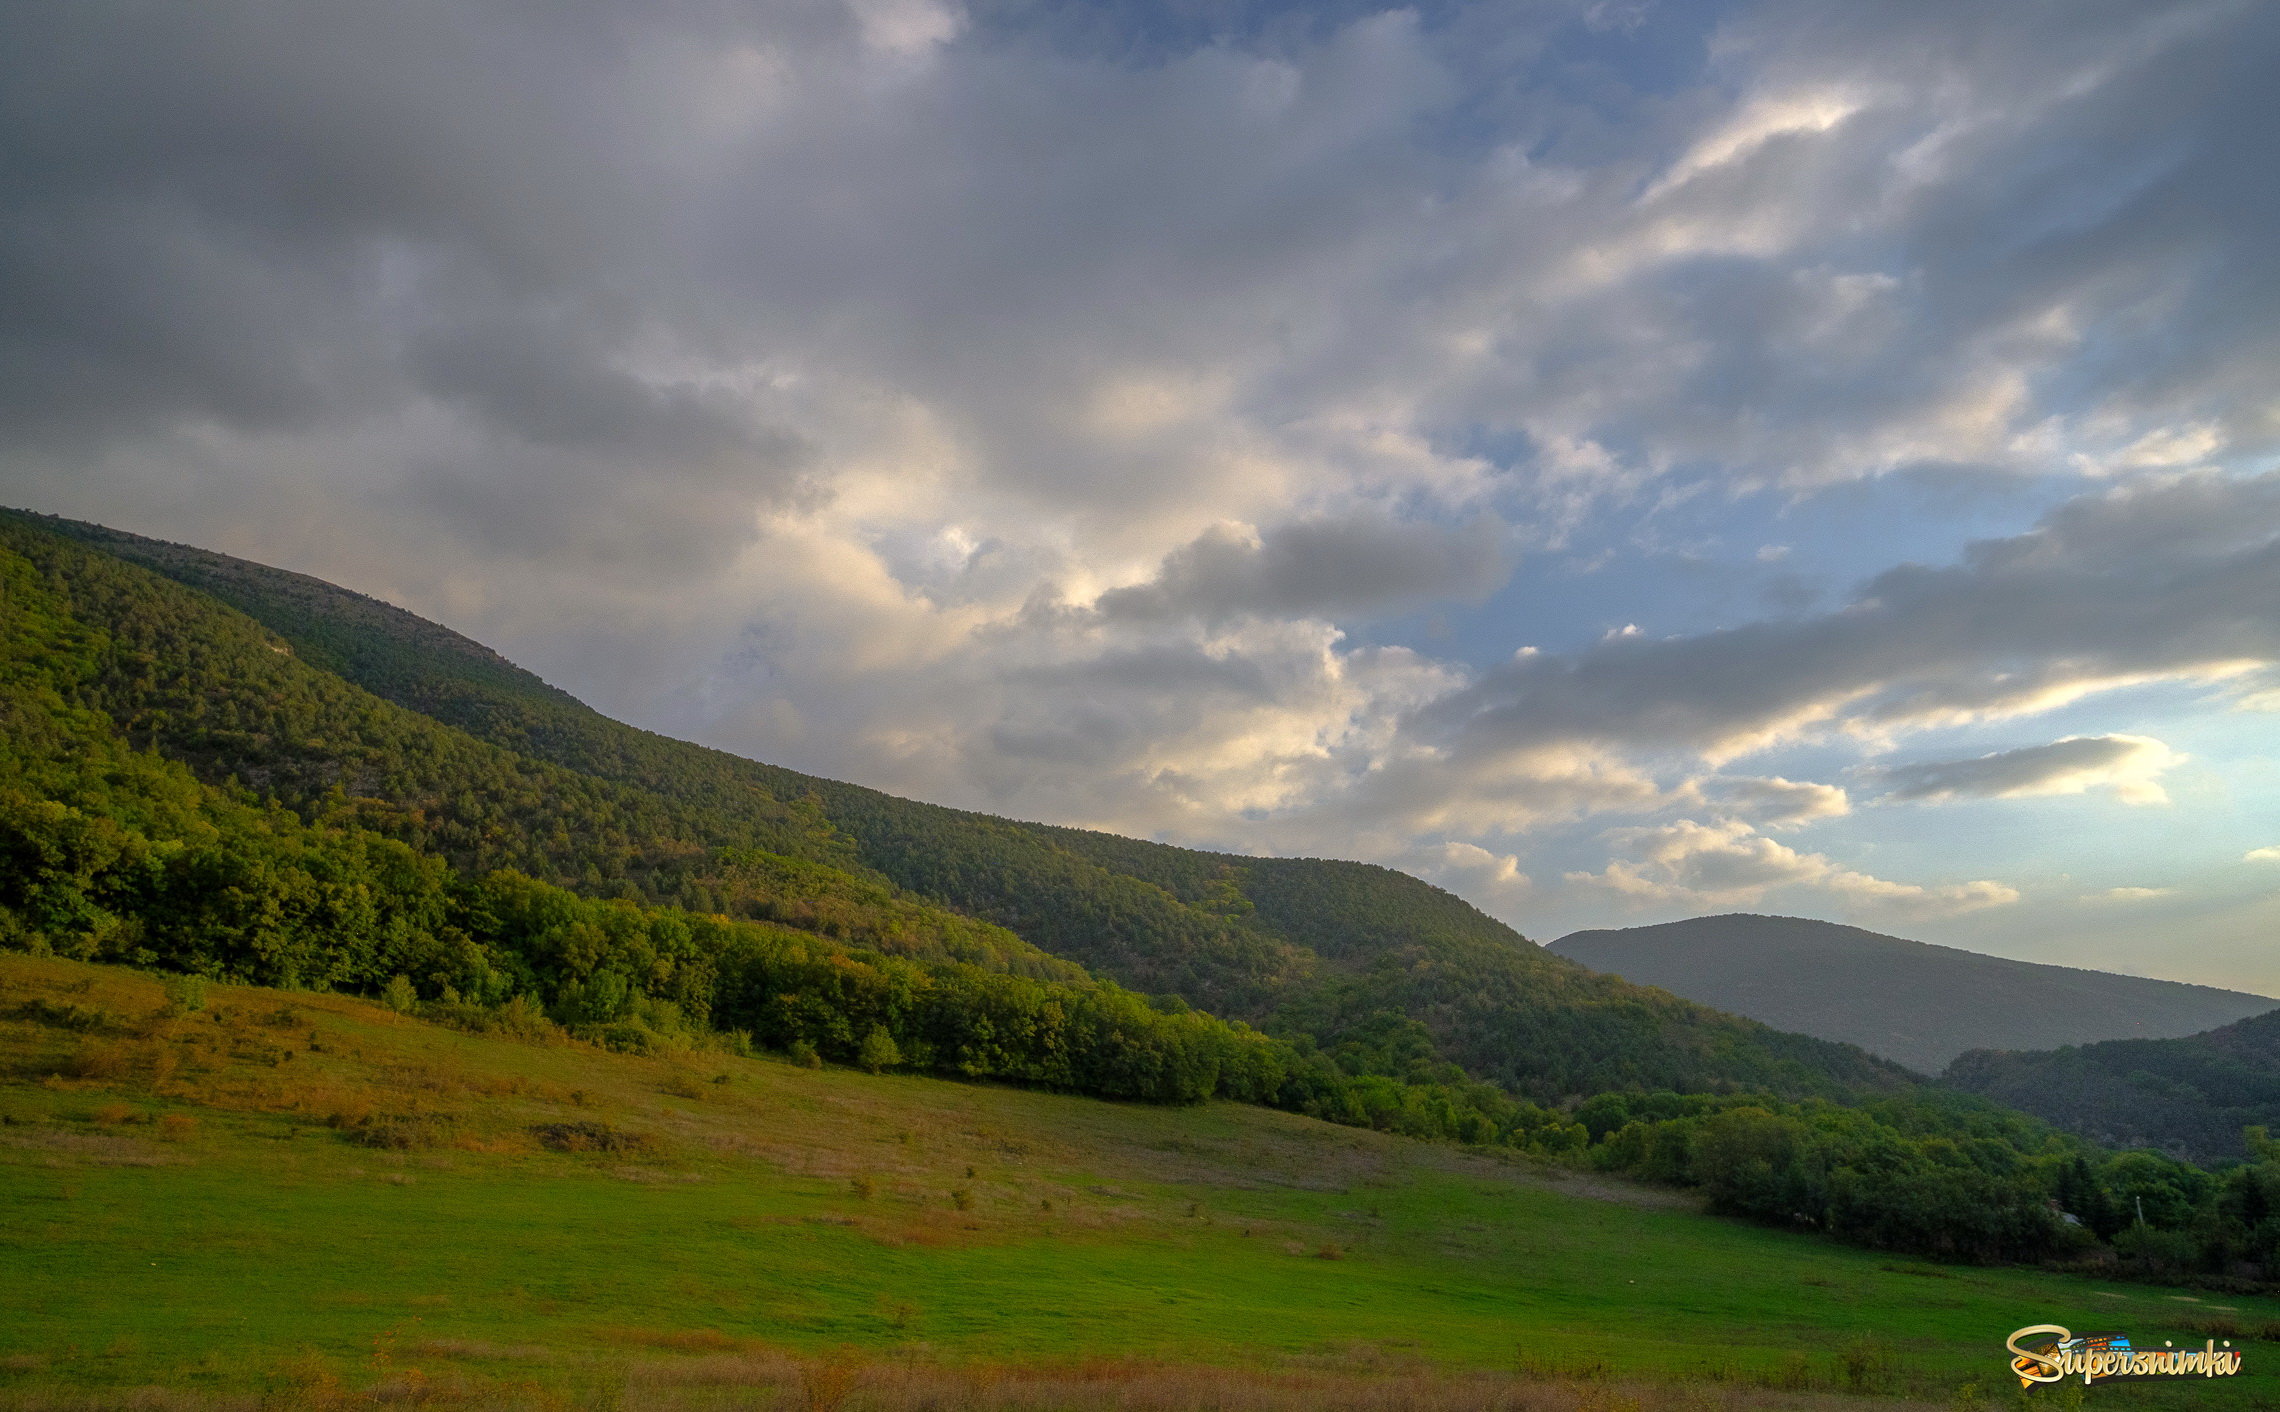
(98, 1149)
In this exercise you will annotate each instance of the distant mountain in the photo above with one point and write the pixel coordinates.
(1907, 1000)
(2190, 1097)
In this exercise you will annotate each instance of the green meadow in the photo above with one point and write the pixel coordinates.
(283, 1190)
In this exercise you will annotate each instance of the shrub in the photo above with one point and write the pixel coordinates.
(97, 1059)
(185, 994)
(177, 1127)
(401, 1132)
(520, 1018)
(588, 1137)
(65, 1017)
(804, 1054)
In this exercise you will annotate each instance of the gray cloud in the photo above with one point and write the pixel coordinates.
(1354, 566)
(2128, 764)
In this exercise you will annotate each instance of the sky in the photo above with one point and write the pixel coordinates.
(1616, 459)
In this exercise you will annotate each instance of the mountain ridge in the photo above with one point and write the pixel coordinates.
(1918, 1003)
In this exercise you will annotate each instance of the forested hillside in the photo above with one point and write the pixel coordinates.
(175, 792)
(2191, 1096)
(1366, 961)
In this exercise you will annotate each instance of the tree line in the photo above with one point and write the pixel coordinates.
(1951, 1176)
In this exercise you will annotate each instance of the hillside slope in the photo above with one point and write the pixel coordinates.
(2189, 1096)
(1396, 976)
(1909, 1001)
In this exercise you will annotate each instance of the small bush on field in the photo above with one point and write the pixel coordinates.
(804, 1054)
(588, 1137)
(64, 1017)
(520, 1018)
(164, 1060)
(177, 1127)
(341, 1110)
(683, 1086)
(395, 1132)
(98, 1059)
(185, 994)
(114, 1113)
(1867, 1365)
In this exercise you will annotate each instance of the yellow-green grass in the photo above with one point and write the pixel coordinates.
(185, 1202)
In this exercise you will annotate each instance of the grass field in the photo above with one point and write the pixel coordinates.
(309, 1197)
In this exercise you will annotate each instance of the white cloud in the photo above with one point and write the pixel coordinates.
(2262, 855)
(1760, 120)
(1729, 864)
(2135, 894)
(1492, 880)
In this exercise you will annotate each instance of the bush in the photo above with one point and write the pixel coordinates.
(64, 1017)
(97, 1059)
(588, 1137)
(394, 1132)
(185, 994)
(879, 1051)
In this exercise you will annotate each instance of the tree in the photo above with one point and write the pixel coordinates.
(879, 1051)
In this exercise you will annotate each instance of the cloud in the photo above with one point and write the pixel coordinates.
(2135, 894)
(2174, 580)
(1356, 566)
(2261, 855)
(1031, 407)
(1730, 864)
(2130, 765)
(1777, 803)
(1492, 879)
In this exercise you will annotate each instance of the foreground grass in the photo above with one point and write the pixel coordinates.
(194, 1203)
